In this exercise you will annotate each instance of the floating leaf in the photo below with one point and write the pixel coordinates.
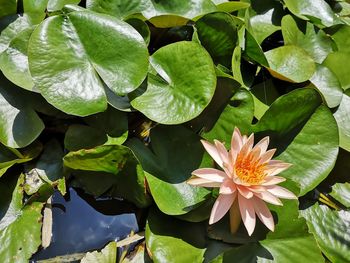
(341, 192)
(35, 10)
(317, 44)
(116, 53)
(217, 32)
(54, 5)
(341, 38)
(342, 116)
(118, 161)
(19, 124)
(335, 62)
(330, 229)
(290, 63)
(167, 236)
(20, 226)
(118, 8)
(167, 170)
(107, 255)
(8, 7)
(328, 85)
(318, 11)
(14, 60)
(181, 86)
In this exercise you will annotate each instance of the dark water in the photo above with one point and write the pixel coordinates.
(82, 223)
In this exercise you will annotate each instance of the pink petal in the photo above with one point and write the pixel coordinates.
(227, 187)
(227, 165)
(211, 174)
(203, 182)
(244, 191)
(263, 213)
(257, 188)
(221, 207)
(213, 152)
(262, 144)
(247, 147)
(236, 143)
(272, 180)
(246, 209)
(265, 157)
(276, 168)
(268, 197)
(281, 192)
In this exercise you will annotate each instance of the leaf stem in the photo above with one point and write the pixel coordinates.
(235, 217)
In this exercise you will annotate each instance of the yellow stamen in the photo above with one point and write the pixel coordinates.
(249, 171)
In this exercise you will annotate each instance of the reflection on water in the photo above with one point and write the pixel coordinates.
(80, 227)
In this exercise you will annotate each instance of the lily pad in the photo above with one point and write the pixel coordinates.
(180, 85)
(342, 116)
(20, 226)
(14, 60)
(317, 11)
(107, 255)
(217, 32)
(290, 63)
(335, 62)
(117, 54)
(55, 5)
(328, 85)
(118, 161)
(19, 123)
(316, 43)
(8, 7)
(167, 171)
(330, 229)
(341, 192)
(167, 236)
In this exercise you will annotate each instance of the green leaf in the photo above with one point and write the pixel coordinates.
(341, 38)
(238, 113)
(253, 50)
(290, 63)
(180, 85)
(180, 7)
(13, 29)
(49, 167)
(117, 54)
(328, 85)
(141, 27)
(265, 19)
(317, 45)
(55, 5)
(14, 60)
(118, 8)
(35, 10)
(121, 163)
(107, 255)
(307, 136)
(318, 11)
(229, 7)
(335, 62)
(20, 226)
(167, 170)
(8, 7)
(171, 240)
(287, 244)
(342, 116)
(217, 32)
(19, 124)
(330, 229)
(341, 192)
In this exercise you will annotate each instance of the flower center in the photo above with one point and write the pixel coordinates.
(249, 171)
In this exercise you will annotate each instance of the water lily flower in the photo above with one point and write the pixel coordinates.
(247, 180)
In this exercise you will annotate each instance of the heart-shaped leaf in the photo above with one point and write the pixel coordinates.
(290, 63)
(116, 53)
(167, 170)
(19, 123)
(180, 86)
